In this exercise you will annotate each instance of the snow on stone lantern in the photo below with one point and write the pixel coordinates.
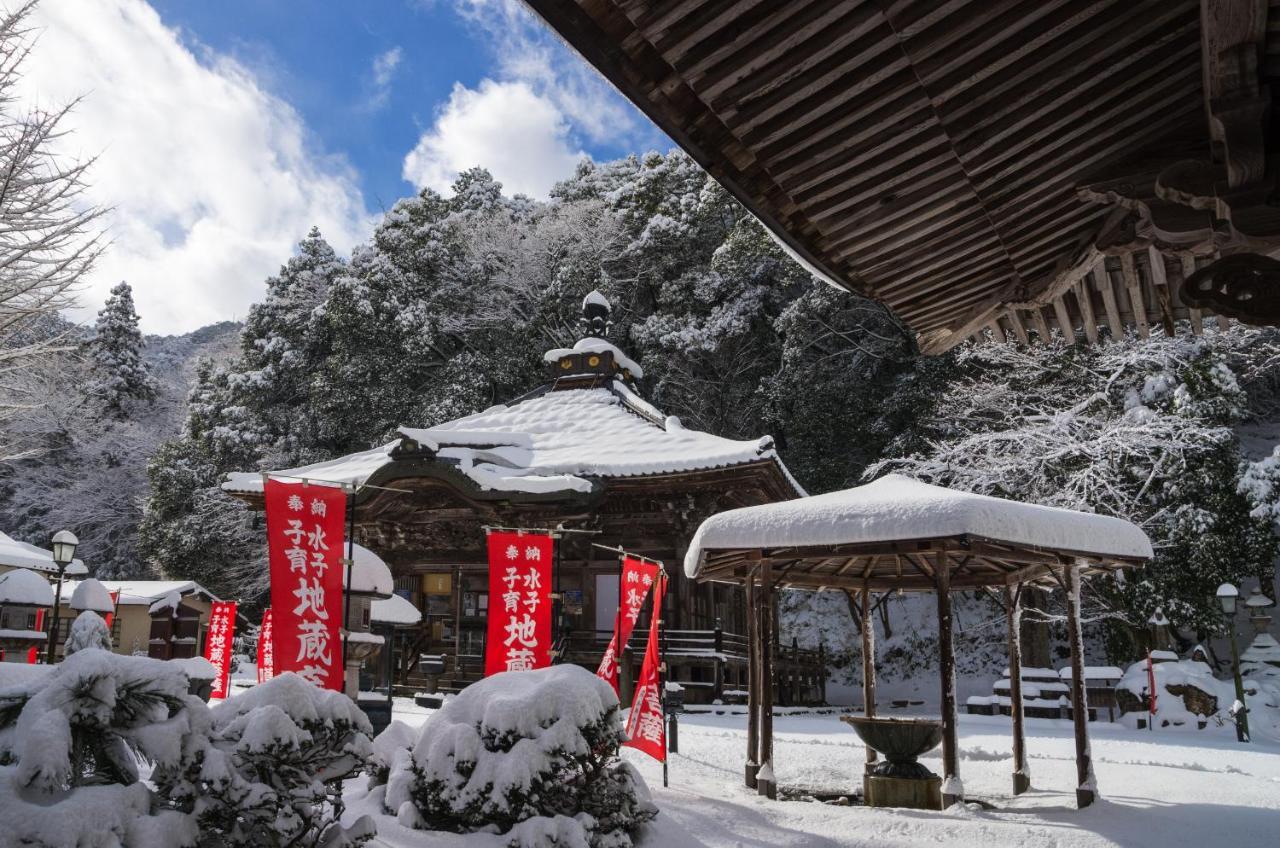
(89, 594)
(23, 596)
(370, 580)
(1264, 648)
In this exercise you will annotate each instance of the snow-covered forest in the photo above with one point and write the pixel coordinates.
(447, 307)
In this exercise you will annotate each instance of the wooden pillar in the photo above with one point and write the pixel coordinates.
(753, 681)
(766, 781)
(952, 788)
(1012, 611)
(868, 667)
(1086, 787)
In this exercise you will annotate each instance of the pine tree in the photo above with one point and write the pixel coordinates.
(119, 375)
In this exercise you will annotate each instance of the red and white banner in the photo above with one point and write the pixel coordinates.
(519, 635)
(33, 655)
(645, 725)
(637, 577)
(305, 544)
(40, 619)
(266, 650)
(115, 604)
(218, 643)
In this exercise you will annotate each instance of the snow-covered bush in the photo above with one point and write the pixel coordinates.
(532, 754)
(89, 630)
(70, 744)
(397, 737)
(269, 772)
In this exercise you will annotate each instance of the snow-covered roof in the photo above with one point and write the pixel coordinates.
(147, 592)
(898, 508)
(369, 574)
(1263, 649)
(395, 610)
(23, 586)
(594, 297)
(21, 555)
(89, 594)
(553, 442)
(591, 344)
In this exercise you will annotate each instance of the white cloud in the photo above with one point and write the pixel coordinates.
(518, 134)
(212, 179)
(382, 73)
(523, 122)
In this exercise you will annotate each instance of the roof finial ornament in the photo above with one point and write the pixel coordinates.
(595, 315)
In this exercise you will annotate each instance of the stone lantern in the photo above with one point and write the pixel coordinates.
(370, 580)
(1263, 648)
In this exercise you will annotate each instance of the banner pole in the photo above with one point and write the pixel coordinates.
(346, 599)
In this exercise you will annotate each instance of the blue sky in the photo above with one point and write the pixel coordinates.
(224, 130)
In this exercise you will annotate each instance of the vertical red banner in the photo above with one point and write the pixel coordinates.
(645, 723)
(33, 655)
(40, 619)
(636, 579)
(115, 602)
(519, 633)
(218, 644)
(266, 650)
(305, 527)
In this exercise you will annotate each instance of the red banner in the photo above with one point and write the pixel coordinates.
(266, 652)
(33, 655)
(645, 724)
(637, 576)
(218, 643)
(40, 619)
(115, 602)
(305, 543)
(519, 635)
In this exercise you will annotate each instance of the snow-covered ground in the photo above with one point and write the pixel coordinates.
(1170, 788)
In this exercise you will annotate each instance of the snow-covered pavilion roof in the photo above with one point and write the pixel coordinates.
(22, 555)
(555, 441)
(26, 587)
(897, 508)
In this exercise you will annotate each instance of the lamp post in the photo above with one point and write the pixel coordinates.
(64, 553)
(1228, 595)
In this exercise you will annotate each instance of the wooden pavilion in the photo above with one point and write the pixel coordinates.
(583, 455)
(898, 534)
(995, 167)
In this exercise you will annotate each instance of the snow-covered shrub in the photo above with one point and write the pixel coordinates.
(397, 737)
(92, 718)
(70, 744)
(89, 630)
(269, 773)
(533, 754)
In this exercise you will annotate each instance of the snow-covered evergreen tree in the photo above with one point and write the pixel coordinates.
(118, 374)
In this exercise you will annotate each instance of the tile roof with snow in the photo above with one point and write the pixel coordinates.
(899, 508)
(145, 592)
(553, 441)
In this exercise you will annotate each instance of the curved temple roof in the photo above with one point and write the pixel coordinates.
(559, 441)
(895, 508)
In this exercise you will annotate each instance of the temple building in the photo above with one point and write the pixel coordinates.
(585, 455)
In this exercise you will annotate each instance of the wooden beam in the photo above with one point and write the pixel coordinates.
(1085, 781)
(1133, 288)
(1013, 615)
(1084, 299)
(1160, 285)
(766, 783)
(1019, 329)
(1042, 326)
(1107, 288)
(753, 684)
(1064, 320)
(952, 790)
(1195, 316)
(868, 667)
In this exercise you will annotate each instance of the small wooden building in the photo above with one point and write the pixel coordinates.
(587, 454)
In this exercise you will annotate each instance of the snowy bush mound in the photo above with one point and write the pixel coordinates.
(530, 754)
(269, 771)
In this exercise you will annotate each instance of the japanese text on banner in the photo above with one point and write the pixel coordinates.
(636, 579)
(305, 540)
(519, 631)
(645, 725)
(266, 650)
(218, 643)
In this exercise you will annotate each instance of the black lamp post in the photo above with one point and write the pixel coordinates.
(1228, 595)
(64, 553)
